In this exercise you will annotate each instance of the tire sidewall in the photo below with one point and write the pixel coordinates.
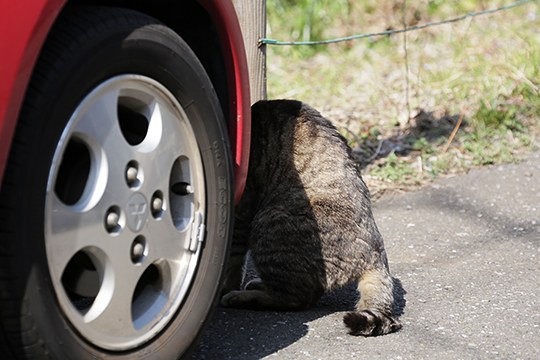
(156, 52)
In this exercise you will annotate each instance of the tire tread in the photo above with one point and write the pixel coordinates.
(76, 26)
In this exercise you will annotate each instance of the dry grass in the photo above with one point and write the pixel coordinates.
(398, 104)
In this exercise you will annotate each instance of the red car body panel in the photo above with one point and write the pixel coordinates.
(24, 26)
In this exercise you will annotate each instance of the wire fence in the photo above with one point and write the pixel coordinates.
(403, 31)
(265, 41)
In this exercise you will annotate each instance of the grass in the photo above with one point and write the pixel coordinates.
(397, 99)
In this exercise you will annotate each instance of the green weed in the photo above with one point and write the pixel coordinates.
(486, 69)
(395, 169)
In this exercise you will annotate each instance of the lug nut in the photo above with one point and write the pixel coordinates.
(131, 174)
(138, 250)
(112, 220)
(157, 204)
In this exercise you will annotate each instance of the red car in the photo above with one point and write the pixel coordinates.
(117, 174)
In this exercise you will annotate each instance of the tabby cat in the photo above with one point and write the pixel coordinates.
(306, 219)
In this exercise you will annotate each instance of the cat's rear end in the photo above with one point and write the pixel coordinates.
(306, 217)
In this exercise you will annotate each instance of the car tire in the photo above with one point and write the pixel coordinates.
(116, 204)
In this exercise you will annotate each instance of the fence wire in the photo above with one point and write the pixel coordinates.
(265, 41)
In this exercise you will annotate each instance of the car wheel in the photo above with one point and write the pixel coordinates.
(116, 203)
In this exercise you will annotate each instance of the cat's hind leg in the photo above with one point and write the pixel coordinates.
(235, 267)
(259, 298)
(288, 293)
(234, 273)
(374, 313)
(286, 252)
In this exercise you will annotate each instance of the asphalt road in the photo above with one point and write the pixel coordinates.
(466, 250)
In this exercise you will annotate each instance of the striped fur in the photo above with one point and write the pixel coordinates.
(306, 218)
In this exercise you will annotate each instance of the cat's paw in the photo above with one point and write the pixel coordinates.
(228, 287)
(255, 284)
(370, 323)
(233, 299)
(250, 299)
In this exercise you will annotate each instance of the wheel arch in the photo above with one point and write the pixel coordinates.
(210, 27)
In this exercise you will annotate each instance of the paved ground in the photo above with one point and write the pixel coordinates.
(466, 250)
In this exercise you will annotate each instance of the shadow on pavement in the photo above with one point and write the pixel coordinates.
(250, 335)
(245, 334)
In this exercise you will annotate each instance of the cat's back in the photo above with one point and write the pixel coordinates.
(305, 150)
(320, 155)
(293, 129)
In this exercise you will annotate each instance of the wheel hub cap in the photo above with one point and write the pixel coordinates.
(118, 236)
(136, 211)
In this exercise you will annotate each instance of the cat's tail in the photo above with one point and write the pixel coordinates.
(374, 313)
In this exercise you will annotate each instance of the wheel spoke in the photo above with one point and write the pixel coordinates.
(159, 161)
(69, 231)
(135, 300)
(112, 308)
(172, 244)
(100, 128)
(173, 127)
(99, 123)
